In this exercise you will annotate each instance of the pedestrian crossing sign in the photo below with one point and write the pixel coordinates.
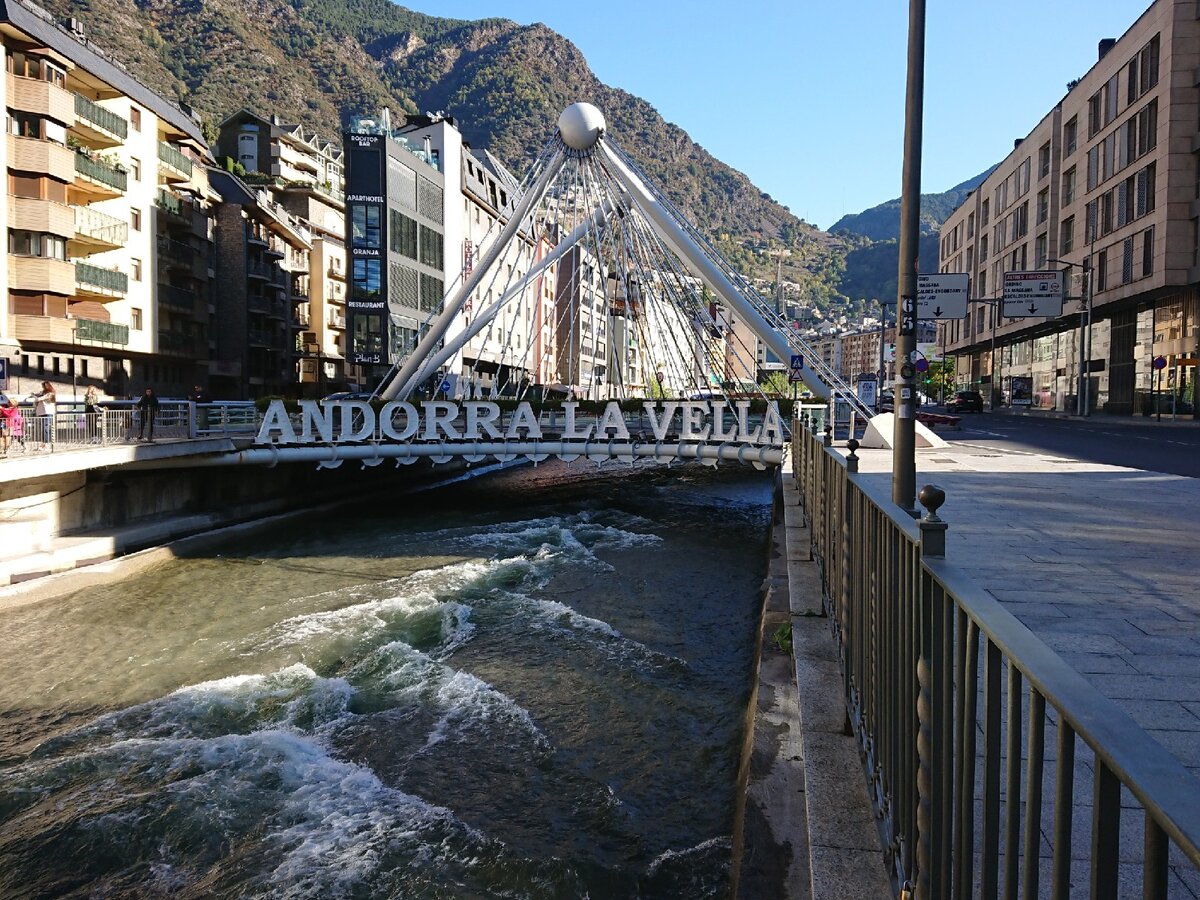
(796, 371)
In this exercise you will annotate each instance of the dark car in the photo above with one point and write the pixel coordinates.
(965, 401)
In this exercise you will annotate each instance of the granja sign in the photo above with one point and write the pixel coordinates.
(355, 421)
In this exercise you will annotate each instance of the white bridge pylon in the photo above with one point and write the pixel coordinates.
(589, 203)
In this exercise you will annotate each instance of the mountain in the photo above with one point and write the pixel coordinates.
(318, 62)
(882, 222)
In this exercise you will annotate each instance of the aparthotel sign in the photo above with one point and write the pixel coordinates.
(355, 421)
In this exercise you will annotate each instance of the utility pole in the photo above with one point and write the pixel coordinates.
(904, 462)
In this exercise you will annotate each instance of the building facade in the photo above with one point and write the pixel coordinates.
(107, 201)
(1104, 188)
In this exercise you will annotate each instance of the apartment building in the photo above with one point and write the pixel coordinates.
(303, 173)
(97, 163)
(396, 225)
(1105, 188)
(262, 253)
(519, 345)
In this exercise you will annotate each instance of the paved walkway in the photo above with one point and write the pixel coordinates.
(1099, 561)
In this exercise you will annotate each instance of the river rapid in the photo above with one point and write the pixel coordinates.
(530, 684)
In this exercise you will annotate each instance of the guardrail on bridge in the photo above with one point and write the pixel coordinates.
(911, 631)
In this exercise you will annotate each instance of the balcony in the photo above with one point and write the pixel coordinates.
(97, 180)
(37, 274)
(173, 166)
(99, 283)
(26, 154)
(337, 319)
(178, 344)
(38, 96)
(28, 214)
(41, 329)
(174, 253)
(302, 317)
(261, 337)
(88, 331)
(260, 270)
(176, 297)
(96, 232)
(169, 204)
(98, 126)
(338, 274)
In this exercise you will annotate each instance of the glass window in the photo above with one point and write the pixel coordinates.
(135, 319)
(366, 279)
(1071, 136)
(135, 118)
(135, 219)
(366, 227)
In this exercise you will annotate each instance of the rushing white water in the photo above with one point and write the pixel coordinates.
(543, 702)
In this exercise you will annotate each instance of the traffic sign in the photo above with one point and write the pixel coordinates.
(942, 296)
(1160, 362)
(445, 386)
(796, 369)
(3, 374)
(1032, 294)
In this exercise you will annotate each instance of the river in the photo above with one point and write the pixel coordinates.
(531, 684)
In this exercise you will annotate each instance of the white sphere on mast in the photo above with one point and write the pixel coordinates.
(581, 125)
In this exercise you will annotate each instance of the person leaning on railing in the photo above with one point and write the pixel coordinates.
(45, 406)
(148, 406)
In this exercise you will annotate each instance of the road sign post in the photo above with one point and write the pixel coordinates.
(796, 369)
(942, 296)
(1032, 295)
(1160, 363)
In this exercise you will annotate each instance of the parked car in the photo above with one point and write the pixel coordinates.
(965, 401)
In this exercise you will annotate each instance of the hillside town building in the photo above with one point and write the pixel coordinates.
(107, 215)
(1105, 189)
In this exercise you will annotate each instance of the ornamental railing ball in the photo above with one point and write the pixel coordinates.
(852, 445)
(932, 497)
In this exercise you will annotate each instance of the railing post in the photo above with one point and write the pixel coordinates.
(933, 805)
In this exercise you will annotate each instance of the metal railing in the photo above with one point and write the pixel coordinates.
(965, 796)
(104, 118)
(101, 172)
(121, 422)
(177, 297)
(173, 158)
(99, 277)
(169, 203)
(101, 332)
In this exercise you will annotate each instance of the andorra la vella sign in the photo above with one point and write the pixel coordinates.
(398, 421)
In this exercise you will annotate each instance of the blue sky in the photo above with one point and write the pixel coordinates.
(807, 97)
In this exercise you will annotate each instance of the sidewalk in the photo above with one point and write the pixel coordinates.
(1098, 561)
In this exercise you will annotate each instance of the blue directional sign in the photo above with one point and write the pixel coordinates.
(445, 387)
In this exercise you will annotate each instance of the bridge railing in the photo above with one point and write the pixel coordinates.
(120, 422)
(950, 697)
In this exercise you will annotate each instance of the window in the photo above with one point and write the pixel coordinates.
(135, 319)
(1043, 205)
(35, 243)
(1147, 252)
(1148, 65)
(1106, 212)
(1040, 251)
(1147, 128)
(983, 217)
(983, 283)
(135, 219)
(136, 266)
(1068, 187)
(1066, 235)
(1144, 202)
(1090, 213)
(365, 227)
(135, 167)
(135, 118)
(1102, 270)
(1071, 136)
(1044, 160)
(971, 225)
(983, 248)
(403, 235)
(366, 279)
(1094, 109)
(1110, 100)
(431, 248)
(1093, 167)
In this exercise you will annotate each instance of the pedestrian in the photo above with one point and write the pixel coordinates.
(45, 407)
(14, 424)
(199, 397)
(93, 416)
(148, 404)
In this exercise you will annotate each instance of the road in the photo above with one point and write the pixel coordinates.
(1167, 447)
